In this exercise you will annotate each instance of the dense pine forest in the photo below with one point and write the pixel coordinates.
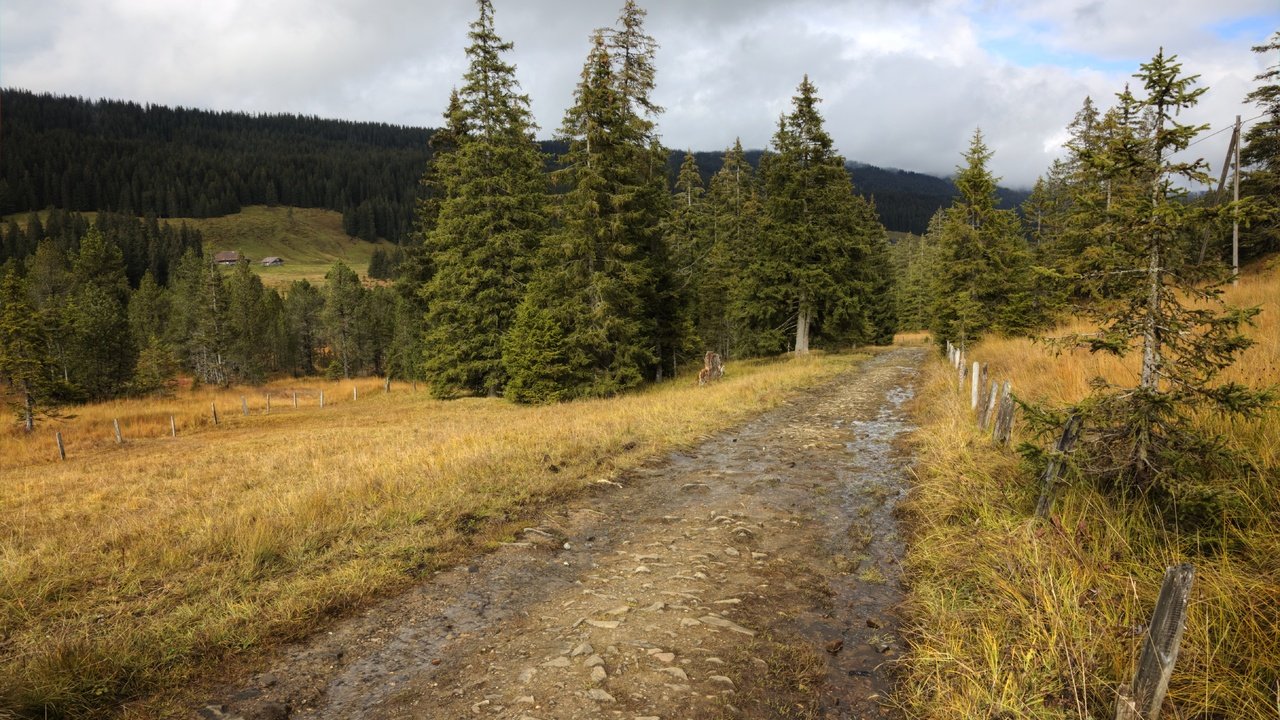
(578, 266)
(115, 156)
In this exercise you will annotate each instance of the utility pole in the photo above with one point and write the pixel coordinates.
(1235, 213)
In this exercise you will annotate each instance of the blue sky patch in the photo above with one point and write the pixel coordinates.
(1026, 52)
(1254, 28)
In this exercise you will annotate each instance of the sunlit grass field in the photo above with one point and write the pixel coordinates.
(1016, 618)
(310, 241)
(127, 571)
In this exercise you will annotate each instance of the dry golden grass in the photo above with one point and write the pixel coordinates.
(1016, 618)
(129, 570)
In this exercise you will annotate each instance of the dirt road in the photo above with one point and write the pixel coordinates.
(751, 577)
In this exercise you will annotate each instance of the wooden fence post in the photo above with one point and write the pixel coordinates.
(1141, 700)
(295, 399)
(268, 403)
(115, 422)
(1049, 483)
(322, 398)
(353, 393)
(989, 407)
(62, 449)
(173, 427)
(215, 412)
(244, 405)
(973, 393)
(386, 384)
(1004, 418)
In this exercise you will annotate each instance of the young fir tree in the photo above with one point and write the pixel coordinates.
(816, 264)
(735, 216)
(198, 327)
(102, 356)
(1144, 437)
(984, 279)
(340, 321)
(489, 224)
(688, 241)
(590, 323)
(1260, 153)
(24, 363)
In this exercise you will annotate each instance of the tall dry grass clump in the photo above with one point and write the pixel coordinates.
(129, 570)
(1012, 617)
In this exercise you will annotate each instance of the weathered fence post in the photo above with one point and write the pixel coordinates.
(1004, 418)
(321, 398)
(215, 412)
(268, 403)
(1141, 700)
(115, 422)
(244, 405)
(1049, 483)
(295, 399)
(973, 394)
(353, 393)
(988, 415)
(386, 384)
(62, 450)
(173, 427)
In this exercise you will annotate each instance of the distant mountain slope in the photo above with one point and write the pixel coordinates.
(109, 155)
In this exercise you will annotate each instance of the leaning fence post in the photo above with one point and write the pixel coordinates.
(268, 403)
(989, 411)
(1049, 483)
(62, 449)
(115, 422)
(1141, 700)
(386, 384)
(173, 427)
(214, 405)
(321, 398)
(295, 399)
(244, 405)
(353, 393)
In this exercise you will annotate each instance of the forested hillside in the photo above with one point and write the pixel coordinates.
(110, 155)
(118, 156)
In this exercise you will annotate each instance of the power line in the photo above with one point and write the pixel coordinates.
(1229, 127)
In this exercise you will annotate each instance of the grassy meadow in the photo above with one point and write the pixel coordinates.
(129, 571)
(310, 241)
(1014, 618)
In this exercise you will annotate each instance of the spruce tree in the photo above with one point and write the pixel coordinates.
(688, 239)
(984, 280)
(1260, 154)
(489, 224)
(816, 261)
(735, 217)
(596, 286)
(341, 319)
(1145, 437)
(24, 363)
(102, 356)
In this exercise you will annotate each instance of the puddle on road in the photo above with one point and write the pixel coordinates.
(867, 546)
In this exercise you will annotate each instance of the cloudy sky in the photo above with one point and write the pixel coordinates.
(904, 82)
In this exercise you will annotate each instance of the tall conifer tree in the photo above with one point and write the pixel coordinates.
(489, 223)
(816, 262)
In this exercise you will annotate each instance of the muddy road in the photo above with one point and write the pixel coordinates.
(753, 576)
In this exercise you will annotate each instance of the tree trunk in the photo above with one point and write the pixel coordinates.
(29, 413)
(802, 328)
(1151, 332)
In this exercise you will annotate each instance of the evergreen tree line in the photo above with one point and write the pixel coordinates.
(1112, 234)
(981, 268)
(146, 244)
(73, 330)
(123, 157)
(133, 159)
(605, 278)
